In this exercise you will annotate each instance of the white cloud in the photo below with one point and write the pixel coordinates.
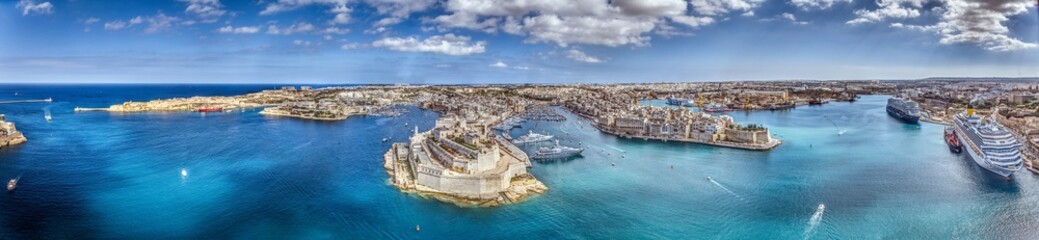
(239, 30)
(979, 22)
(205, 8)
(587, 30)
(816, 4)
(719, 7)
(115, 25)
(448, 44)
(91, 20)
(651, 8)
(521, 68)
(398, 10)
(291, 29)
(342, 14)
(888, 9)
(692, 21)
(336, 30)
(788, 17)
(594, 22)
(350, 46)
(31, 7)
(288, 5)
(157, 23)
(305, 43)
(499, 64)
(580, 56)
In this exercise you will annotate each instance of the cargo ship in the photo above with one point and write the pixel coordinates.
(205, 109)
(903, 109)
(988, 143)
(952, 140)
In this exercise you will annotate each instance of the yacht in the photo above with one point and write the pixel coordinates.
(531, 137)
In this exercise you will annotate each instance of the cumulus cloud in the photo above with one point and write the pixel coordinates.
(338, 8)
(239, 30)
(31, 7)
(350, 46)
(786, 17)
(580, 56)
(979, 22)
(719, 7)
(499, 64)
(594, 22)
(291, 29)
(115, 25)
(888, 9)
(398, 10)
(156, 23)
(205, 8)
(336, 30)
(448, 44)
(816, 4)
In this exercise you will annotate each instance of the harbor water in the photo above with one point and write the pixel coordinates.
(242, 175)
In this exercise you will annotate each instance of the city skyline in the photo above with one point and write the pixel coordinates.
(484, 41)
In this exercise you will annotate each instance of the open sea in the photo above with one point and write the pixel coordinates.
(98, 175)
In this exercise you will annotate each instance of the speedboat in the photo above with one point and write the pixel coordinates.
(12, 184)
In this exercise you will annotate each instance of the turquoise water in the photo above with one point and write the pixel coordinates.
(101, 175)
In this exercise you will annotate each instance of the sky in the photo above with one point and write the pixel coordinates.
(518, 41)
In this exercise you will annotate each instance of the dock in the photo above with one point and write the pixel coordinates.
(513, 150)
(27, 101)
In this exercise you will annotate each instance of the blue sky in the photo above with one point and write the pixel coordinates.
(500, 41)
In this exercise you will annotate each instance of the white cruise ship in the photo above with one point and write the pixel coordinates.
(988, 143)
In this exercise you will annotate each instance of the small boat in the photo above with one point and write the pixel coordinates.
(417, 228)
(709, 178)
(12, 184)
(952, 140)
(821, 208)
(385, 139)
(183, 172)
(47, 117)
(205, 109)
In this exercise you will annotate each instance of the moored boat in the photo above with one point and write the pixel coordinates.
(556, 152)
(952, 140)
(903, 109)
(988, 143)
(531, 137)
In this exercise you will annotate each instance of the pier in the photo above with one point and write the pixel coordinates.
(27, 101)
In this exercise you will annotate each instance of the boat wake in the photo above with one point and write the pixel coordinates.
(725, 188)
(814, 221)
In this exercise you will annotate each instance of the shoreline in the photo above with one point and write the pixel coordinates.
(17, 139)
